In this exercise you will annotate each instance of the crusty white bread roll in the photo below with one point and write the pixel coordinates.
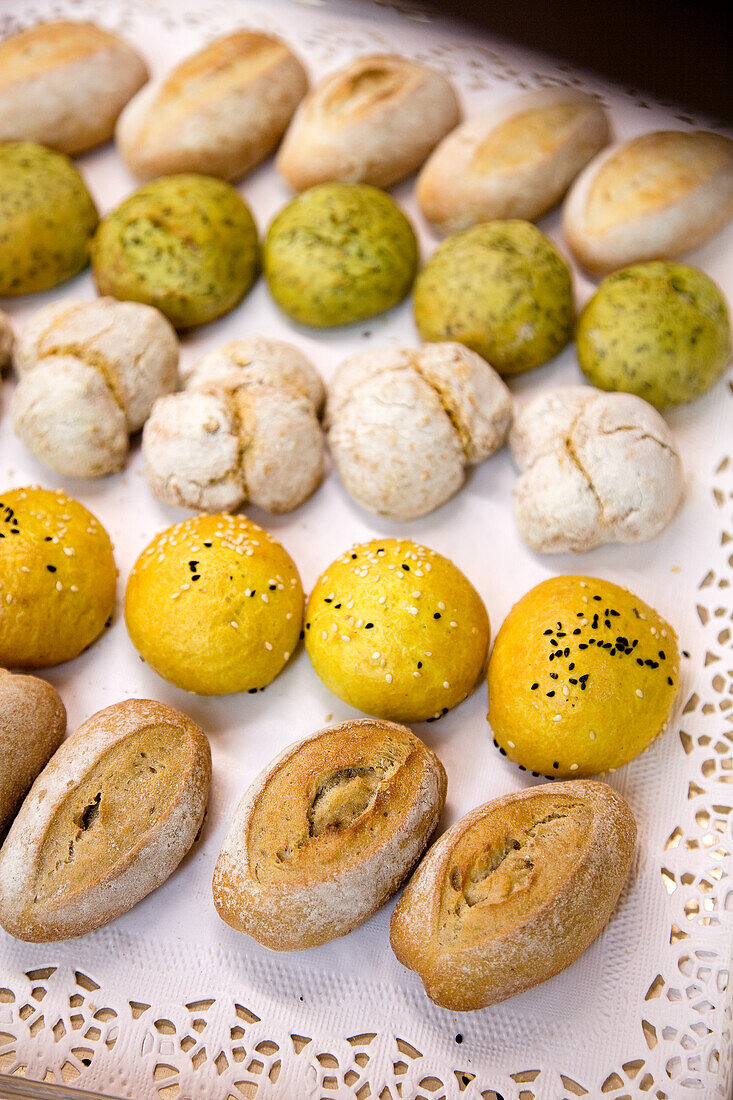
(32, 726)
(108, 820)
(64, 84)
(327, 833)
(654, 197)
(514, 892)
(220, 111)
(595, 467)
(515, 160)
(373, 122)
(89, 374)
(7, 340)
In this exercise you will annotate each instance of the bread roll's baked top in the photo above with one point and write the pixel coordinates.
(379, 79)
(528, 138)
(355, 784)
(32, 52)
(651, 173)
(526, 848)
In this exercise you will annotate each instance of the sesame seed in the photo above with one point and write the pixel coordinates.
(454, 624)
(640, 693)
(59, 586)
(412, 610)
(235, 625)
(565, 690)
(376, 655)
(382, 599)
(592, 735)
(324, 635)
(388, 677)
(345, 638)
(557, 718)
(264, 597)
(268, 645)
(446, 684)
(573, 767)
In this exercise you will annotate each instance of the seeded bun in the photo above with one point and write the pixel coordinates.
(215, 605)
(57, 576)
(583, 676)
(185, 244)
(397, 630)
(47, 218)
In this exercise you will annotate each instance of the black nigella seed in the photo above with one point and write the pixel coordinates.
(337, 606)
(608, 623)
(560, 634)
(616, 613)
(307, 626)
(302, 635)
(613, 652)
(51, 568)
(549, 694)
(252, 691)
(368, 626)
(406, 568)
(571, 666)
(353, 556)
(209, 544)
(577, 630)
(597, 598)
(579, 614)
(685, 653)
(193, 565)
(496, 743)
(662, 656)
(559, 625)
(502, 751)
(556, 764)
(546, 632)
(273, 587)
(535, 686)
(445, 710)
(436, 615)
(327, 599)
(551, 657)
(670, 681)
(196, 577)
(566, 652)
(522, 768)
(48, 538)
(459, 1038)
(419, 664)
(553, 642)
(573, 680)
(554, 675)
(536, 775)
(583, 645)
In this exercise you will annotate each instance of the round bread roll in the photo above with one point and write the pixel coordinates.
(373, 122)
(660, 330)
(32, 726)
(583, 676)
(514, 892)
(515, 160)
(246, 429)
(64, 84)
(108, 820)
(186, 244)
(655, 196)
(7, 340)
(47, 218)
(403, 424)
(57, 577)
(220, 111)
(397, 630)
(339, 253)
(327, 833)
(89, 374)
(503, 290)
(215, 605)
(595, 468)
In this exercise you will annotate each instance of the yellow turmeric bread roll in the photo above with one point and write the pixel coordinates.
(327, 833)
(215, 605)
(514, 892)
(108, 820)
(397, 630)
(582, 678)
(57, 578)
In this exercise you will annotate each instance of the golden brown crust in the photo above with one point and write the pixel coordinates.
(514, 892)
(32, 726)
(109, 819)
(327, 833)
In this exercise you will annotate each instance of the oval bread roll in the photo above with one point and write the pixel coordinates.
(109, 819)
(32, 726)
(64, 84)
(513, 161)
(653, 197)
(514, 892)
(220, 111)
(373, 122)
(7, 340)
(327, 833)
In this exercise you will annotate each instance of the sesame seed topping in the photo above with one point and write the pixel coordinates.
(446, 684)
(234, 624)
(557, 718)
(268, 645)
(388, 677)
(640, 693)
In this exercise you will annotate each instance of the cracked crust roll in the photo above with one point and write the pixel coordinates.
(515, 160)
(63, 84)
(327, 833)
(653, 197)
(373, 122)
(582, 678)
(32, 726)
(594, 468)
(514, 892)
(220, 111)
(107, 821)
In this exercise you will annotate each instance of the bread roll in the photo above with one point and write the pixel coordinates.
(373, 122)
(7, 340)
(515, 160)
(220, 111)
(32, 726)
(653, 197)
(109, 819)
(514, 892)
(327, 833)
(64, 84)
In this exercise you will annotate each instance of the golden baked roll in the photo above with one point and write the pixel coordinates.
(220, 111)
(397, 630)
(32, 726)
(514, 892)
(582, 677)
(327, 833)
(108, 820)
(57, 578)
(215, 605)
(63, 84)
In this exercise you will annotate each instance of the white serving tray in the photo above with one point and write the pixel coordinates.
(169, 1002)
